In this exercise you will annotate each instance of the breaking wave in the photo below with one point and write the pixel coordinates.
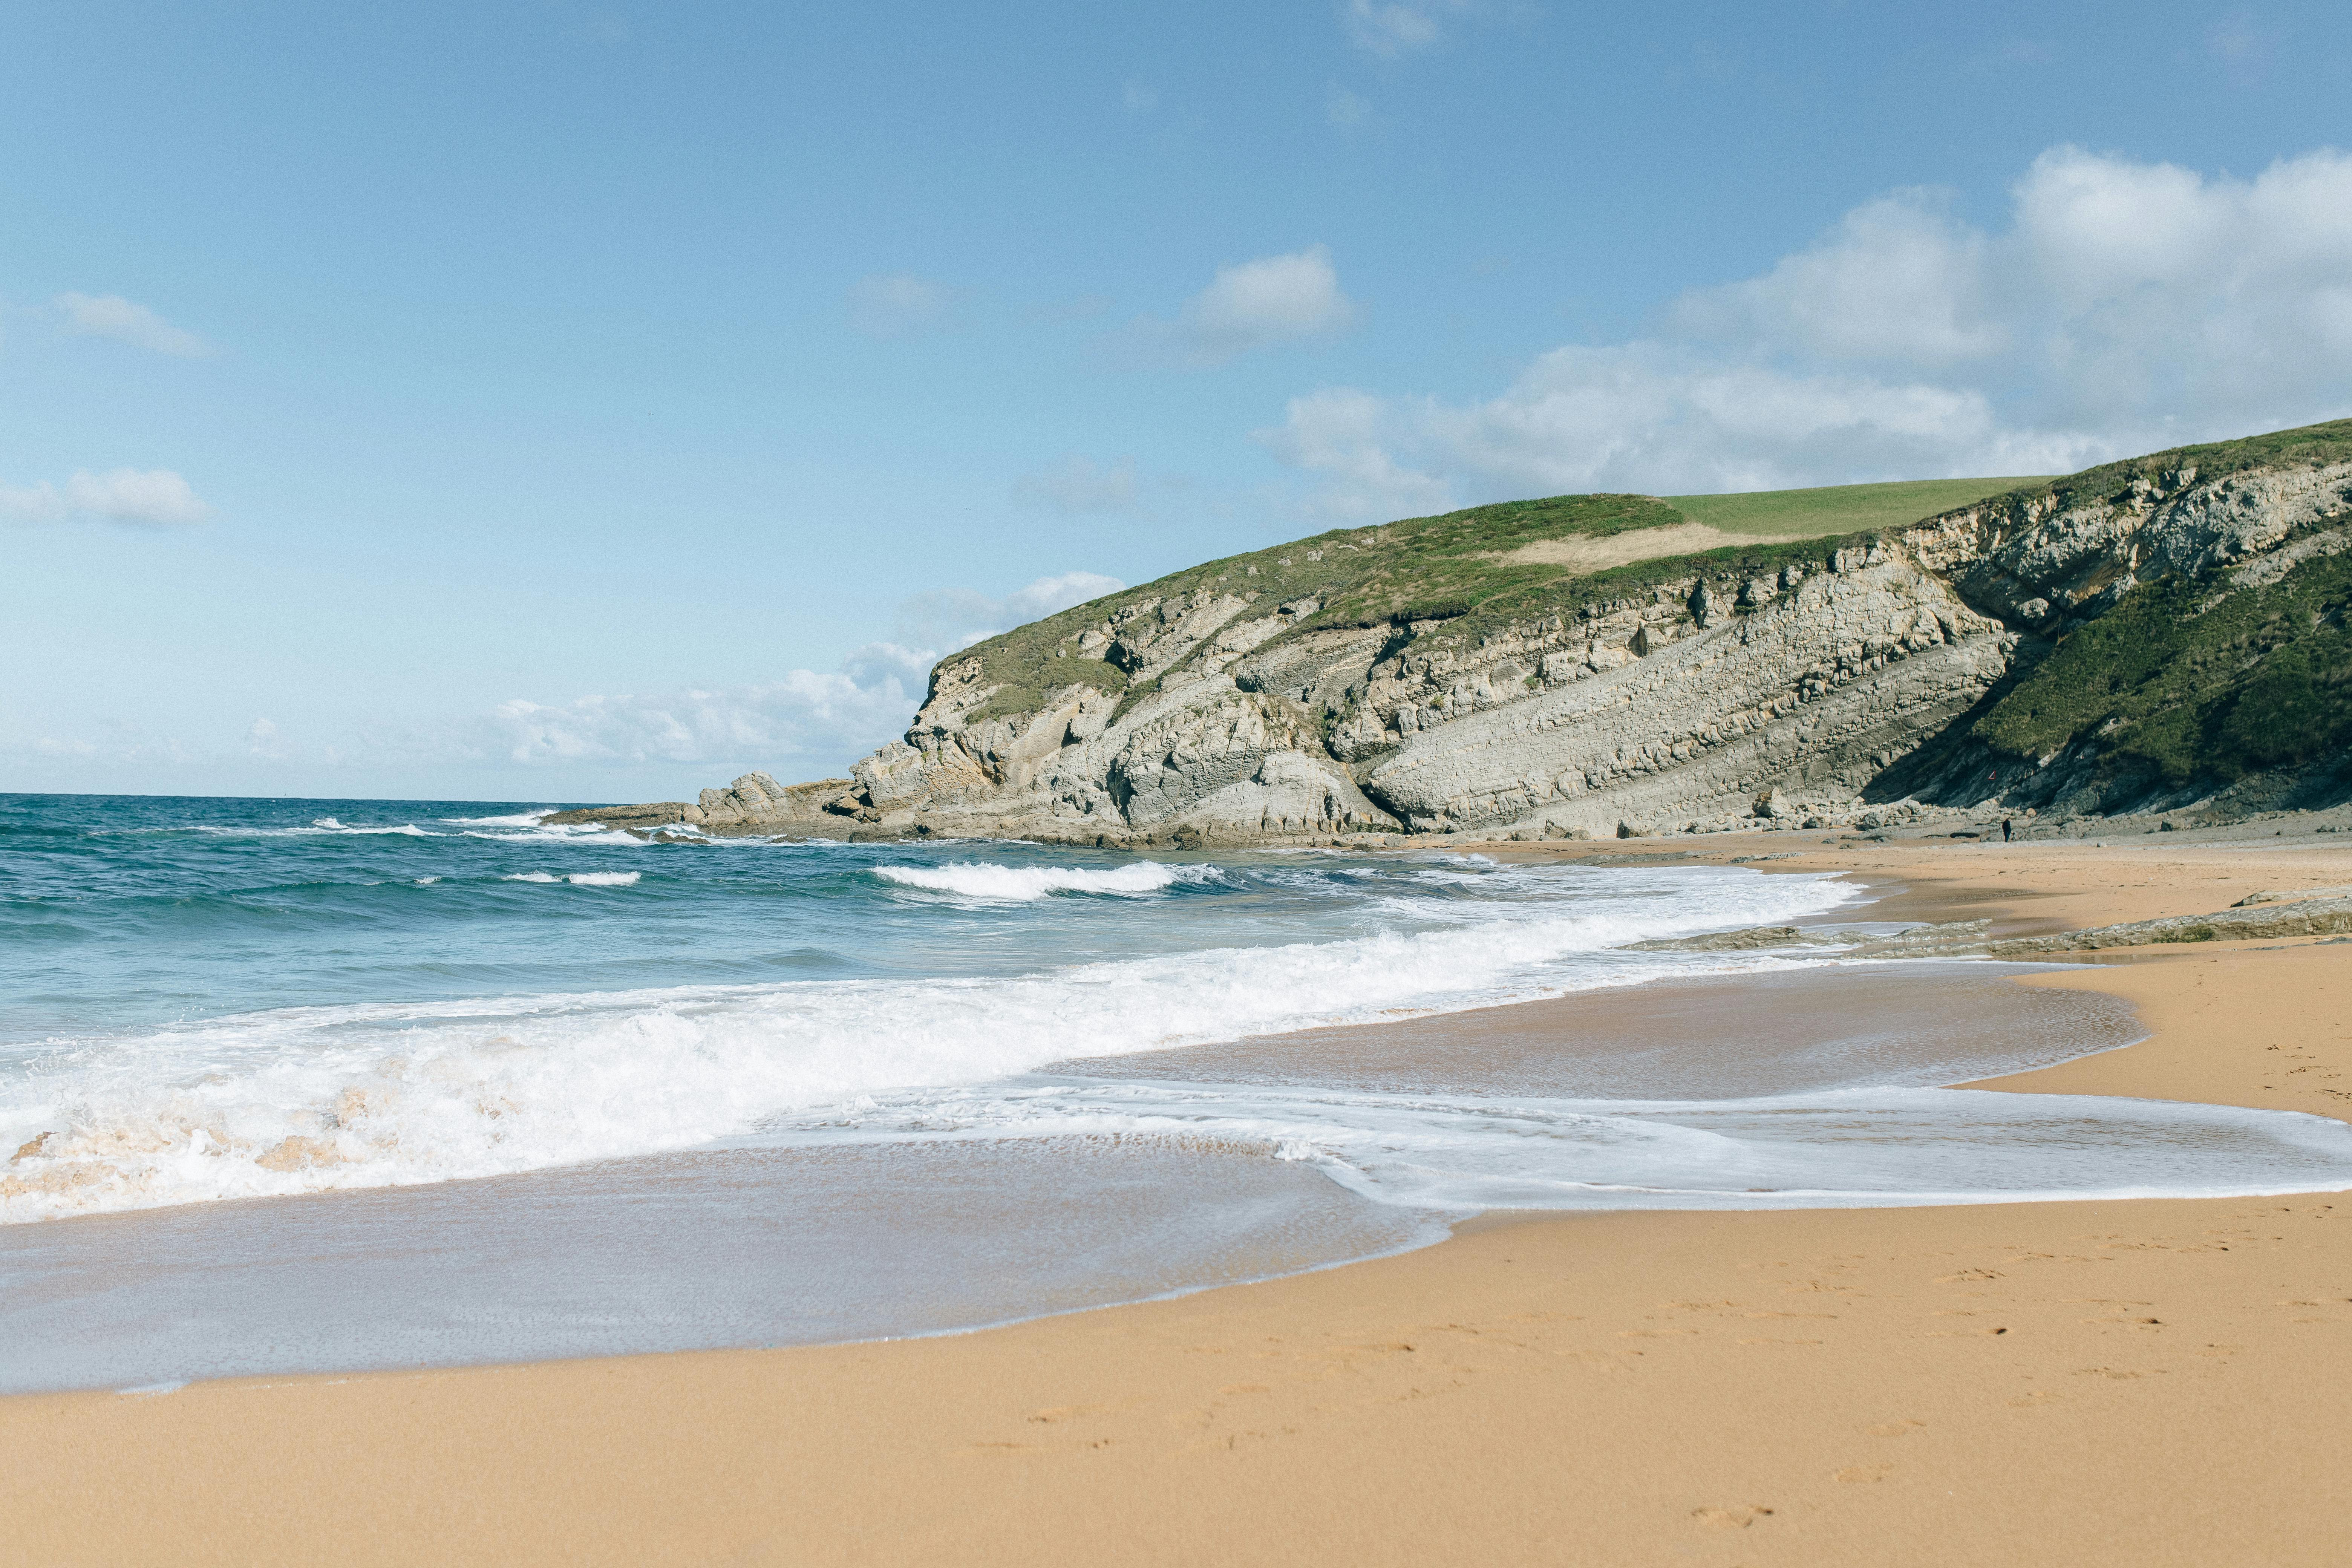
(301, 1098)
(1020, 884)
(579, 878)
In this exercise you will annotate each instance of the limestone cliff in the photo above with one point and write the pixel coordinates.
(2124, 635)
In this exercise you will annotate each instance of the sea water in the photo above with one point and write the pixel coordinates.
(355, 1083)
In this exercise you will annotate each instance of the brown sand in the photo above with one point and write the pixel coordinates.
(2163, 1382)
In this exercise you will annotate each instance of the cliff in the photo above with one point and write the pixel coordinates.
(2152, 633)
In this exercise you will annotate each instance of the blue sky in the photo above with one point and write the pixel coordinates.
(553, 401)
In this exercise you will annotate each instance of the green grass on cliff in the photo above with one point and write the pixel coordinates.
(1449, 566)
(1841, 508)
(2307, 445)
(2263, 679)
(2184, 680)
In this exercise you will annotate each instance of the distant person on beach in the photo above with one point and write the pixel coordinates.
(2006, 830)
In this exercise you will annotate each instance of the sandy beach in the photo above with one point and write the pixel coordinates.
(2142, 1382)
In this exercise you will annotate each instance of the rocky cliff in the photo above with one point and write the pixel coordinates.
(2164, 630)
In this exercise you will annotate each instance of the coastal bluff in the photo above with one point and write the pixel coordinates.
(2167, 633)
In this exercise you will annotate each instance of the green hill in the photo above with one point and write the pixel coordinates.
(1841, 508)
(2180, 678)
(1457, 566)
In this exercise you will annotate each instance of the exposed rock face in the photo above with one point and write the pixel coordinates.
(2036, 565)
(1687, 693)
(753, 803)
(1815, 689)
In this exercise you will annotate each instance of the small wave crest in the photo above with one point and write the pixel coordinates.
(579, 878)
(555, 832)
(1020, 884)
(318, 826)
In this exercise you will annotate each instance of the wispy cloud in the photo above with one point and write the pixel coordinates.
(1079, 484)
(819, 718)
(803, 713)
(112, 316)
(123, 495)
(952, 618)
(1393, 27)
(1256, 304)
(796, 723)
(1341, 107)
(898, 304)
(2126, 307)
(2243, 48)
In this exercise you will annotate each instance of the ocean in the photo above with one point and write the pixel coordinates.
(309, 1085)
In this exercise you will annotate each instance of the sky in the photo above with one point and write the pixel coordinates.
(553, 402)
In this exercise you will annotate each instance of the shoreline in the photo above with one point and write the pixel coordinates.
(1106, 1435)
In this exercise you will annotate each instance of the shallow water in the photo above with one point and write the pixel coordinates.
(669, 1252)
(319, 1085)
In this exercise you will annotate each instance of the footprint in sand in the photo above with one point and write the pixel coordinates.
(1732, 1517)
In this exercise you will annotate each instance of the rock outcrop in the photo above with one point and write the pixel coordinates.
(1464, 675)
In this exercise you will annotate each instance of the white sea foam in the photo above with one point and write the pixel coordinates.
(558, 833)
(305, 1099)
(318, 826)
(302, 1098)
(577, 878)
(1020, 884)
(517, 819)
(1831, 1148)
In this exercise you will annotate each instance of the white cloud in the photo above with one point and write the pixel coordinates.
(800, 724)
(823, 719)
(123, 495)
(1392, 27)
(898, 304)
(957, 617)
(2126, 307)
(1079, 484)
(803, 713)
(1352, 437)
(112, 316)
(1273, 300)
(1897, 278)
(1344, 108)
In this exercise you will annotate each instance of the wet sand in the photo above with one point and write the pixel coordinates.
(2151, 1382)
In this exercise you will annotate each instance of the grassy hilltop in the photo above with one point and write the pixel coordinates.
(2179, 681)
(1460, 567)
